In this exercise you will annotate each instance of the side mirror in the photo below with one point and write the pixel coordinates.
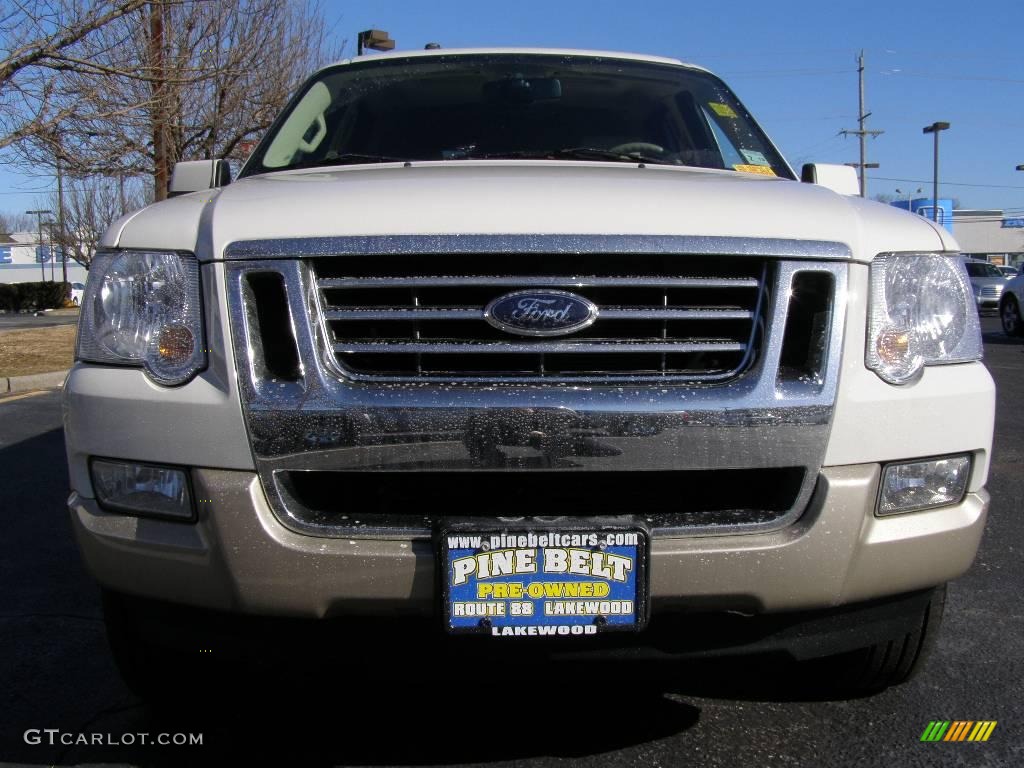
(197, 175)
(839, 178)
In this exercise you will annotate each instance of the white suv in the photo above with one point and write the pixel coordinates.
(534, 347)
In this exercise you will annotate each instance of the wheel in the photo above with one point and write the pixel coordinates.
(1009, 313)
(157, 674)
(134, 657)
(890, 662)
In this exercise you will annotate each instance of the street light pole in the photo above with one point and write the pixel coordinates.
(935, 128)
(39, 219)
(910, 197)
(375, 39)
(49, 228)
(60, 220)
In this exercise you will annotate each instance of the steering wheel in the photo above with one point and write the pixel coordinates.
(638, 148)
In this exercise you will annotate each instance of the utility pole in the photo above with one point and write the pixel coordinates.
(160, 111)
(862, 133)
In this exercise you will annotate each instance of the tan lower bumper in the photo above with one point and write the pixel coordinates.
(239, 557)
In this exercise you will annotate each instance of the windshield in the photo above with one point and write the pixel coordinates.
(465, 107)
(982, 269)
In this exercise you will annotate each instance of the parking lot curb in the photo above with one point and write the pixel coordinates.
(12, 384)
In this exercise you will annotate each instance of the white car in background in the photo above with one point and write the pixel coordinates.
(77, 289)
(1009, 306)
(987, 282)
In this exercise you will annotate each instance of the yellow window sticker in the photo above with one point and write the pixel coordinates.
(764, 170)
(722, 110)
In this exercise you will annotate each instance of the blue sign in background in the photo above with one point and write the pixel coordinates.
(467, 592)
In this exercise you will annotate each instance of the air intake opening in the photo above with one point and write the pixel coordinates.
(275, 353)
(666, 499)
(804, 347)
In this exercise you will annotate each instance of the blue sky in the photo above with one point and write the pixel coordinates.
(792, 64)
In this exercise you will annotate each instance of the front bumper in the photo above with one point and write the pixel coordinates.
(239, 557)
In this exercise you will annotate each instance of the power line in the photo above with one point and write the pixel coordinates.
(934, 76)
(787, 72)
(951, 183)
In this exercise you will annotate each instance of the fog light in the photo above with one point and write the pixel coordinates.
(142, 489)
(916, 485)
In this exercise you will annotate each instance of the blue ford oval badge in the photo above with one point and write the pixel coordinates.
(541, 313)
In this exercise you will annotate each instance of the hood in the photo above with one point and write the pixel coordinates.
(516, 197)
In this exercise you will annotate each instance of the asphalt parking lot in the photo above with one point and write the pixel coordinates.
(56, 672)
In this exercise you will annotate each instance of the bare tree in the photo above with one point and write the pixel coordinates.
(39, 41)
(90, 205)
(176, 79)
(16, 221)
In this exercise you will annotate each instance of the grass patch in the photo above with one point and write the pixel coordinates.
(37, 350)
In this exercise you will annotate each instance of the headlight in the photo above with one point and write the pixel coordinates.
(142, 308)
(921, 313)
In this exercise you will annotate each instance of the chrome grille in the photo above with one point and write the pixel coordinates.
(991, 291)
(423, 317)
(310, 421)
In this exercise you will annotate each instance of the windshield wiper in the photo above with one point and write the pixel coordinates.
(570, 153)
(594, 153)
(346, 158)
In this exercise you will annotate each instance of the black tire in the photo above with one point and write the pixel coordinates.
(891, 662)
(155, 674)
(1009, 314)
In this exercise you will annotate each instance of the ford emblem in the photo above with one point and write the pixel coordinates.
(540, 313)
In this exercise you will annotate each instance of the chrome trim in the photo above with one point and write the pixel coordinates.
(330, 421)
(559, 281)
(372, 245)
(614, 313)
(540, 347)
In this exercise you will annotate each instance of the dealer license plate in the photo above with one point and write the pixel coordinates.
(543, 582)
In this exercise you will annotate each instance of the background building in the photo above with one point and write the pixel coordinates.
(24, 260)
(984, 234)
